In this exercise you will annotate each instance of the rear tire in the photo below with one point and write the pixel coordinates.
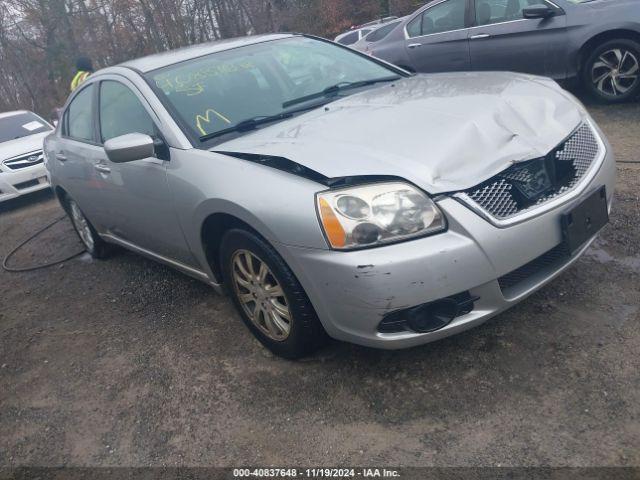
(93, 244)
(611, 73)
(269, 298)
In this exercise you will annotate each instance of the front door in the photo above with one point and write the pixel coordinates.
(138, 206)
(437, 38)
(504, 40)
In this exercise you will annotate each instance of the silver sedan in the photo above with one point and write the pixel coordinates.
(332, 194)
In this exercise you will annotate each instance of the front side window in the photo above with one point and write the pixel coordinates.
(121, 112)
(21, 125)
(218, 91)
(80, 116)
(443, 17)
(498, 11)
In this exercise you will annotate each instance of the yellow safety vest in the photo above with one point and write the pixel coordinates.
(80, 77)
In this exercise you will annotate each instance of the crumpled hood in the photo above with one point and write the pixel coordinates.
(443, 132)
(20, 146)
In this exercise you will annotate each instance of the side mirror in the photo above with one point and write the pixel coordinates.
(130, 147)
(538, 11)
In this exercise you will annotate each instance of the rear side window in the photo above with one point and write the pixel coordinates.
(80, 116)
(121, 112)
(382, 32)
(443, 17)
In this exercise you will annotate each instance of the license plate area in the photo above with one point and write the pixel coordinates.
(582, 222)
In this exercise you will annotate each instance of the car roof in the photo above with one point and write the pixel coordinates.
(12, 114)
(159, 60)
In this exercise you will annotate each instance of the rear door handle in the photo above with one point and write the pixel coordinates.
(479, 36)
(414, 45)
(102, 168)
(61, 157)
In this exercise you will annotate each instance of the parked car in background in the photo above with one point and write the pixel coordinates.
(358, 201)
(358, 33)
(379, 21)
(367, 43)
(596, 42)
(22, 169)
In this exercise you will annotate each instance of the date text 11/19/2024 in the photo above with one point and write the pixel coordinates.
(315, 473)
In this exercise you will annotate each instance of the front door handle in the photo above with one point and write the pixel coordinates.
(414, 45)
(61, 157)
(102, 168)
(479, 36)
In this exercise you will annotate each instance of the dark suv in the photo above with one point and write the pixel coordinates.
(594, 41)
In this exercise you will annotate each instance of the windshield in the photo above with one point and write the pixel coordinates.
(213, 93)
(21, 125)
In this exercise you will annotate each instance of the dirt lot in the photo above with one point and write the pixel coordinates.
(126, 362)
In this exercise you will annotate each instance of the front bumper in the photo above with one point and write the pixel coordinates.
(14, 183)
(353, 291)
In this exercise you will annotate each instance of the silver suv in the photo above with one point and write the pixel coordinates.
(332, 194)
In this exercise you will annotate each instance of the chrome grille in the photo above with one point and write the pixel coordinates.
(25, 161)
(581, 149)
(572, 160)
(496, 198)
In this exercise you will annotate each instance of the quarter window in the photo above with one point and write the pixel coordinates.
(80, 116)
(498, 11)
(349, 39)
(443, 17)
(121, 112)
(382, 32)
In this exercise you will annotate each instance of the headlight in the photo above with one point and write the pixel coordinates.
(376, 214)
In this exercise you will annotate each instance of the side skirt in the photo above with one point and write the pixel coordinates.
(187, 270)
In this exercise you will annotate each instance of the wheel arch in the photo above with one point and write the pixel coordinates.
(212, 231)
(61, 194)
(599, 39)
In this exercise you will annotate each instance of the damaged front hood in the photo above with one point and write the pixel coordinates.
(443, 132)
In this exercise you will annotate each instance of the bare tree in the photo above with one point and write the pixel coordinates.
(40, 39)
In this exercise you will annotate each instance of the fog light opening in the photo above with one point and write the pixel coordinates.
(432, 317)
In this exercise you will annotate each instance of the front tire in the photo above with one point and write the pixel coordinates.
(269, 298)
(612, 72)
(94, 245)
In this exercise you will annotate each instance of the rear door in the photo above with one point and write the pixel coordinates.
(436, 39)
(76, 152)
(503, 40)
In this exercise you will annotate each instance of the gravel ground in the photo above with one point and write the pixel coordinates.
(126, 362)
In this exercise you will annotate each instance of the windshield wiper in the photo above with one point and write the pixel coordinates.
(255, 122)
(248, 124)
(334, 90)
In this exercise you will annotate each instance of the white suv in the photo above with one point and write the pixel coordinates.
(22, 167)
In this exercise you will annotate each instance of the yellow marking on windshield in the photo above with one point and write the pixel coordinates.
(206, 118)
(191, 82)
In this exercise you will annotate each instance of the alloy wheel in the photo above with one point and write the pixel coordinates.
(82, 226)
(615, 72)
(261, 295)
